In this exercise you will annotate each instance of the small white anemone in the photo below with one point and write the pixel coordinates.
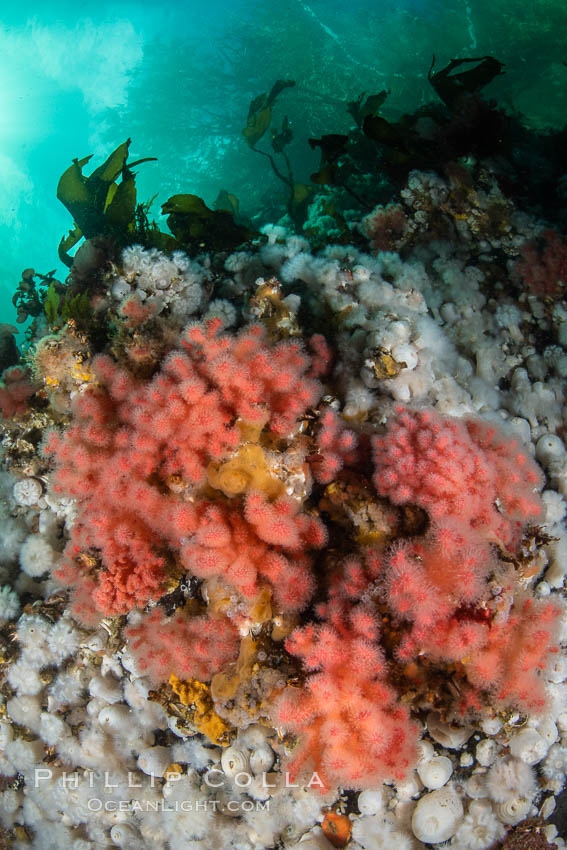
(509, 778)
(449, 735)
(437, 816)
(513, 811)
(234, 761)
(154, 761)
(370, 802)
(491, 725)
(409, 787)
(27, 492)
(124, 835)
(405, 353)
(121, 288)
(486, 752)
(6, 734)
(475, 786)
(115, 718)
(106, 688)
(254, 736)
(9, 604)
(425, 751)
(529, 746)
(479, 829)
(549, 449)
(37, 556)
(436, 772)
(548, 730)
(261, 760)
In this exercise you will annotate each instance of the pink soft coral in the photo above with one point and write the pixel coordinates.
(16, 388)
(517, 649)
(439, 595)
(462, 468)
(430, 577)
(438, 588)
(130, 439)
(352, 729)
(266, 544)
(336, 446)
(480, 489)
(187, 646)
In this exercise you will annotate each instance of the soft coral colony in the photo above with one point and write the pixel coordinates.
(145, 460)
(133, 444)
(281, 490)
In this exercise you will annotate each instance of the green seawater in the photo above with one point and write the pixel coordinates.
(79, 78)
